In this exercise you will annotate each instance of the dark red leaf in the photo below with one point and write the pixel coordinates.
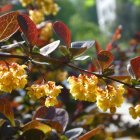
(6, 8)
(63, 32)
(98, 47)
(105, 58)
(6, 109)
(8, 25)
(135, 65)
(28, 28)
(57, 118)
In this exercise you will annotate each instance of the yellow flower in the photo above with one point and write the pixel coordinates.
(36, 91)
(51, 101)
(110, 98)
(84, 88)
(135, 111)
(25, 2)
(13, 77)
(36, 15)
(46, 32)
(49, 90)
(48, 7)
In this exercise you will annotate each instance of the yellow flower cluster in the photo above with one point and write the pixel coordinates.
(49, 89)
(46, 32)
(48, 6)
(25, 2)
(135, 111)
(43, 7)
(86, 89)
(13, 77)
(36, 16)
(110, 98)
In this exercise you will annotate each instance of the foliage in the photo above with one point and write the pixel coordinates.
(36, 100)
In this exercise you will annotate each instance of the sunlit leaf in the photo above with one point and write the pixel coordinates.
(6, 109)
(81, 58)
(28, 28)
(49, 48)
(63, 32)
(16, 44)
(8, 25)
(82, 44)
(91, 133)
(36, 125)
(2, 121)
(135, 65)
(74, 133)
(105, 58)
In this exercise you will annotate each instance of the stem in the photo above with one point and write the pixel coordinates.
(14, 56)
(102, 76)
(58, 61)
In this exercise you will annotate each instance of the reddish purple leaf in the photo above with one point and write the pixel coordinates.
(8, 25)
(57, 118)
(105, 59)
(63, 32)
(135, 65)
(28, 28)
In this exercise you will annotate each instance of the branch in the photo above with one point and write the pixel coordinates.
(102, 76)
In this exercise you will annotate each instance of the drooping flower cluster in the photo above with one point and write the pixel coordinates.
(135, 111)
(13, 77)
(43, 7)
(86, 89)
(49, 90)
(110, 98)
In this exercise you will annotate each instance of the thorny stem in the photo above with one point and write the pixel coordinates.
(26, 58)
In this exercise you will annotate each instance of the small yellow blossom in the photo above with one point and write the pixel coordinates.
(49, 90)
(49, 7)
(135, 111)
(37, 16)
(51, 101)
(57, 75)
(83, 87)
(13, 77)
(25, 2)
(110, 98)
(46, 32)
